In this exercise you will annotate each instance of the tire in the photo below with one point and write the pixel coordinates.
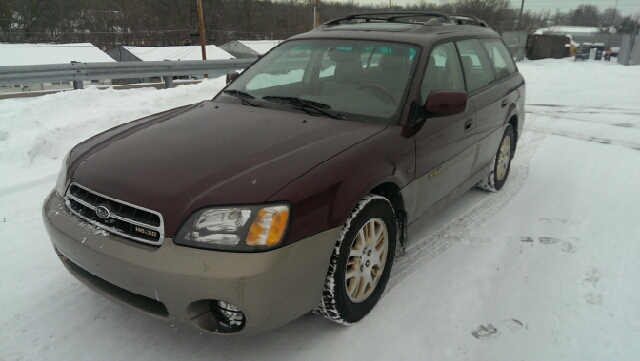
(346, 298)
(501, 163)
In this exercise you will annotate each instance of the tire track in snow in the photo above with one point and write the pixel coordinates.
(564, 117)
(421, 251)
(581, 109)
(10, 189)
(587, 138)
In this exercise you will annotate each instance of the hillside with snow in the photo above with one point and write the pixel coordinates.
(546, 269)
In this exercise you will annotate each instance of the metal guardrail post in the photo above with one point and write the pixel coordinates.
(77, 84)
(168, 80)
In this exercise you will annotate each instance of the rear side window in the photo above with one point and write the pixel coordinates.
(500, 57)
(475, 63)
(443, 71)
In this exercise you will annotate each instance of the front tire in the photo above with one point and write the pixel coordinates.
(501, 163)
(361, 262)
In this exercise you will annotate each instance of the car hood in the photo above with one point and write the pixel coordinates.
(209, 154)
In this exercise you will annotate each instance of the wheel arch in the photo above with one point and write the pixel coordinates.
(513, 120)
(391, 191)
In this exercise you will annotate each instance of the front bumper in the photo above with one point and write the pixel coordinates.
(174, 283)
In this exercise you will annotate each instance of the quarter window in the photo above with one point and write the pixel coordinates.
(500, 57)
(475, 63)
(443, 71)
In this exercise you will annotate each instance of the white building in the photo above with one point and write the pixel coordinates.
(162, 53)
(249, 48)
(48, 54)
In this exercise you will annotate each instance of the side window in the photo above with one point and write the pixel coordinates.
(443, 71)
(500, 57)
(476, 66)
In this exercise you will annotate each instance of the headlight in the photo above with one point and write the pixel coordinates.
(63, 182)
(240, 229)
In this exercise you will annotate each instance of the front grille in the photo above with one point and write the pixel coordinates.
(116, 216)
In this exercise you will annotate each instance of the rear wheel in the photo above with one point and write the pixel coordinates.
(361, 262)
(501, 164)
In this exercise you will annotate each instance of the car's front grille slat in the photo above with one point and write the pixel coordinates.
(124, 219)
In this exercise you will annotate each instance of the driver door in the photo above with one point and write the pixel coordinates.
(445, 150)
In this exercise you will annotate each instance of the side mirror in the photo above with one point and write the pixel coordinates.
(232, 75)
(444, 103)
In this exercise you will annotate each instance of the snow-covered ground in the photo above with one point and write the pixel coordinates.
(546, 269)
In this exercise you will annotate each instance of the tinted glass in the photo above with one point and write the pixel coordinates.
(475, 63)
(500, 57)
(443, 71)
(288, 68)
(362, 81)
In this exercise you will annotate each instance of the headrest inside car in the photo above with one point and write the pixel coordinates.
(341, 56)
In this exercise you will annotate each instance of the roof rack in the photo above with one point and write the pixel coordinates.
(464, 19)
(397, 16)
(390, 16)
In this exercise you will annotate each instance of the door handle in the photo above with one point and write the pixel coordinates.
(468, 123)
(505, 102)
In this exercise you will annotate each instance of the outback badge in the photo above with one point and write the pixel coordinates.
(435, 172)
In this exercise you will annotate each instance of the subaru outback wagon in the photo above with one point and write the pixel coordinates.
(294, 188)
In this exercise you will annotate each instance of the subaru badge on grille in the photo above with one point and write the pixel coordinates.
(103, 212)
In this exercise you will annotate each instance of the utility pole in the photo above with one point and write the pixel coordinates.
(520, 17)
(203, 43)
(389, 5)
(316, 14)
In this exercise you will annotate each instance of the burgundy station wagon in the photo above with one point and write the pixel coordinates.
(293, 189)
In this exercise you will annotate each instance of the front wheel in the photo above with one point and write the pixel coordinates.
(501, 163)
(361, 262)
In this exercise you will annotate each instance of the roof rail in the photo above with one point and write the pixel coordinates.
(390, 16)
(464, 19)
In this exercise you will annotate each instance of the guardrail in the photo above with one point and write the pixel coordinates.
(79, 72)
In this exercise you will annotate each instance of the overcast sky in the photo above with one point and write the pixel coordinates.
(626, 7)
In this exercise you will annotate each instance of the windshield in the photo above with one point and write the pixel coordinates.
(363, 81)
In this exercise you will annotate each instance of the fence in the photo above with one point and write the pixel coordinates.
(79, 72)
(630, 50)
(517, 42)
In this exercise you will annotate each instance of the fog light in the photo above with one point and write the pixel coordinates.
(230, 315)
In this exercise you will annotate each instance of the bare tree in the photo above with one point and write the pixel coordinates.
(585, 15)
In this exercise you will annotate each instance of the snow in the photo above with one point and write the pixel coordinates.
(545, 269)
(260, 46)
(153, 53)
(44, 54)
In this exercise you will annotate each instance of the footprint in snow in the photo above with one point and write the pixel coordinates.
(485, 332)
(558, 220)
(593, 276)
(489, 331)
(549, 240)
(569, 248)
(513, 325)
(593, 298)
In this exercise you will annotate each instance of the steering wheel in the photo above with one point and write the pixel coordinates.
(381, 90)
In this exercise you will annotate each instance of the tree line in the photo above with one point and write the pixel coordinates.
(111, 23)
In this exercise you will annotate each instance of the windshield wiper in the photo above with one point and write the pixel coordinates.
(243, 96)
(239, 94)
(308, 106)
